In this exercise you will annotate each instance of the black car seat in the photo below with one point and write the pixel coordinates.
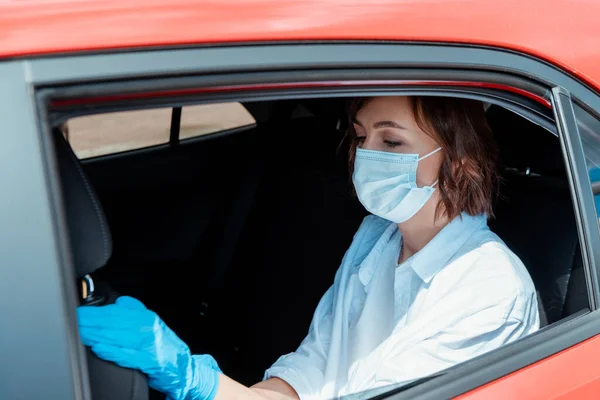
(91, 249)
(534, 213)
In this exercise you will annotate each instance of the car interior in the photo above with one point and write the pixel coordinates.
(232, 238)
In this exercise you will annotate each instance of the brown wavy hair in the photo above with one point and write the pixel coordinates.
(468, 177)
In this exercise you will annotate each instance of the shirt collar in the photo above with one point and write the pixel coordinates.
(439, 251)
(369, 263)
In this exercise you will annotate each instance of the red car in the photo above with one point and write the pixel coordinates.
(180, 151)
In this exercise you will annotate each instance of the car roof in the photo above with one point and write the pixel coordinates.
(561, 32)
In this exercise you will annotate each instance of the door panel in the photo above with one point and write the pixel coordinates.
(571, 374)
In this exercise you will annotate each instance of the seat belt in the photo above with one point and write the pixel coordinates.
(235, 221)
(235, 212)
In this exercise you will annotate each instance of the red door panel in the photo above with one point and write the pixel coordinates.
(572, 374)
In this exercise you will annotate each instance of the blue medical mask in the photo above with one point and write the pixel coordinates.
(386, 183)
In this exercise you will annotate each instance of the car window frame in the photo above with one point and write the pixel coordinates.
(42, 76)
(581, 188)
(174, 135)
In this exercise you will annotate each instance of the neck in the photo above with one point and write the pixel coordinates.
(421, 228)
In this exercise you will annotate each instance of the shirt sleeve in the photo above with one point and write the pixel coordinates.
(475, 318)
(304, 369)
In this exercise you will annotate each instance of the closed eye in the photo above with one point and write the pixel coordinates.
(392, 144)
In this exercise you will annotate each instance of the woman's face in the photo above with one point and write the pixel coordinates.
(387, 124)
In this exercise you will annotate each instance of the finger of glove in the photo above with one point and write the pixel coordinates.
(131, 340)
(113, 316)
(126, 358)
(130, 302)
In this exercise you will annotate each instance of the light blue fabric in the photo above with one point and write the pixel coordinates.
(465, 293)
(386, 183)
(130, 335)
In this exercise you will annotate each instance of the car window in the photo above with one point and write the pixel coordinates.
(589, 130)
(103, 134)
(97, 135)
(210, 118)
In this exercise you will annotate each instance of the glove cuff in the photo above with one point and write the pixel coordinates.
(205, 378)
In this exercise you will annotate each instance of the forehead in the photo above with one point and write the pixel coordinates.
(387, 107)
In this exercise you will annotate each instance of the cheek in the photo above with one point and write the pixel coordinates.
(428, 170)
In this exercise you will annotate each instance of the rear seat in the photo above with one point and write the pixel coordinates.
(179, 290)
(534, 213)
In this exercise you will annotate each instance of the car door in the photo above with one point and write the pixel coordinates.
(37, 297)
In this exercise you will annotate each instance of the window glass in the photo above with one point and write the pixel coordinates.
(102, 134)
(210, 118)
(589, 130)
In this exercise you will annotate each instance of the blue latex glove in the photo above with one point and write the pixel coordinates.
(130, 335)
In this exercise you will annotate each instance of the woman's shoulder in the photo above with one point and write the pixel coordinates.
(494, 264)
(489, 275)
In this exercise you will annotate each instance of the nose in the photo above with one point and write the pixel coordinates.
(369, 142)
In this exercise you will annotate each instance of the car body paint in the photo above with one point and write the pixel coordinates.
(563, 33)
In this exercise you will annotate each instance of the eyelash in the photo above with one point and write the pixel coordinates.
(390, 144)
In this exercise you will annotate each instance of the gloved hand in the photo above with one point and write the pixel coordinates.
(130, 335)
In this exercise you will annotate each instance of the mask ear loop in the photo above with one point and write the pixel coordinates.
(428, 154)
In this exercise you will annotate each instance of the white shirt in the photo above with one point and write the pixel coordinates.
(465, 293)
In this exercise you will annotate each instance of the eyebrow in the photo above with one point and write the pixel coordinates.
(387, 124)
(382, 124)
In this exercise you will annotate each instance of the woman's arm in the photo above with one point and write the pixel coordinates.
(480, 313)
(271, 389)
(130, 335)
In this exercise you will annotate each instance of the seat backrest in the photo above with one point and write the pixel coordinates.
(91, 248)
(577, 295)
(536, 221)
(534, 211)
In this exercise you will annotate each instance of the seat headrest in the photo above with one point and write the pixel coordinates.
(524, 144)
(89, 233)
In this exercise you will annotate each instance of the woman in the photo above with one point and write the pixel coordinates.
(424, 285)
